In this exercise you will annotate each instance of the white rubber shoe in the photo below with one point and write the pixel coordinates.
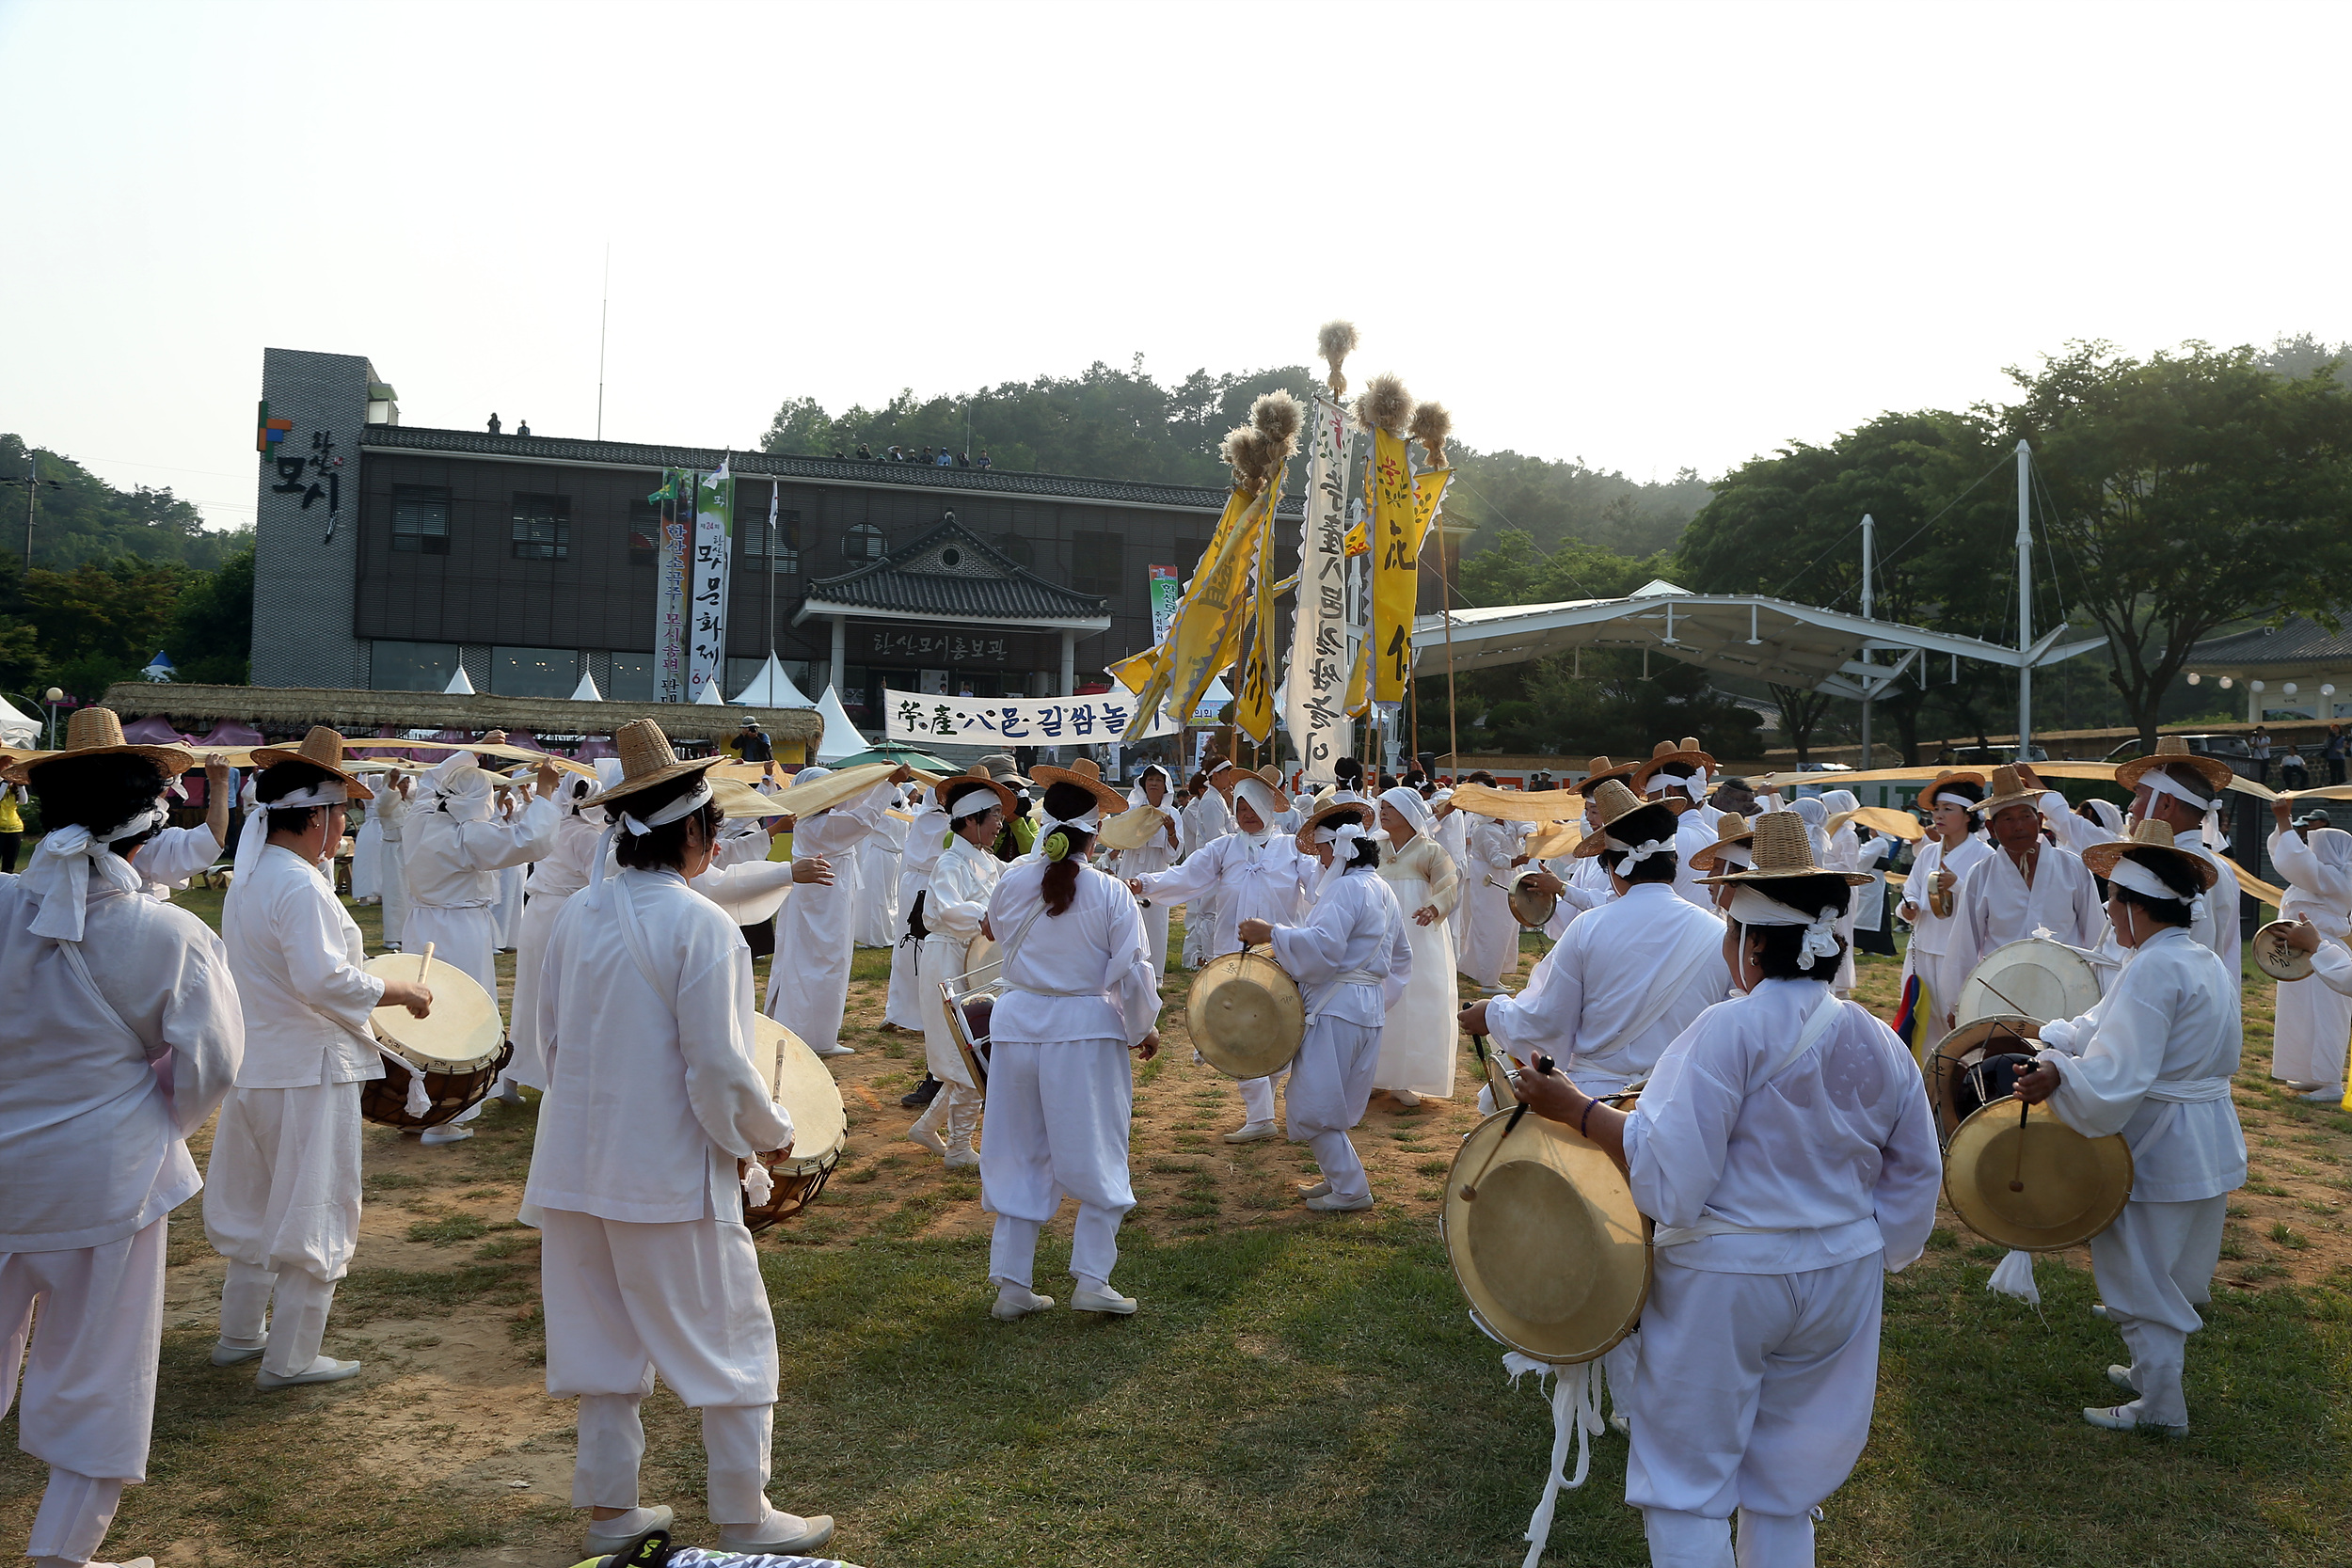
(1251, 1132)
(1013, 1303)
(1087, 1299)
(1329, 1204)
(780, 1534)
(609, 1536)
(324, 1369)
(226, 1353)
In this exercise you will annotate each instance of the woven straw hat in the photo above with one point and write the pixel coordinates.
(321, 748)
(1306, 836)
(1949, 776)
(1783, 851)
(1271, 774)
(2006, 790)
(1086, 776)
(1601, 769)
(2149, 839)
(1613, 802)
(97, 731)
(1732, 828)
(957, 784)
(1666, 753)
(1000, 767)
(646, 760)
(2172, 751)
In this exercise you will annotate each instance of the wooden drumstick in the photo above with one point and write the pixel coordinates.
(424, 965)
(2017, 1179)
(1469, 1189)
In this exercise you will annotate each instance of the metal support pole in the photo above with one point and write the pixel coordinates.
(1069, 663)
(1869, 543)
(840, 651)
(2025, 599)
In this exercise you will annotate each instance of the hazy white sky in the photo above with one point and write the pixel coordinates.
(1647, 235)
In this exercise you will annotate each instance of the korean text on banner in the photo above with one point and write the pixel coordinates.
(1396, 570)
(1166, 589)
(707, 581)
(677, 500)
(1254, 712)
(1317, 677)
(1089, 720)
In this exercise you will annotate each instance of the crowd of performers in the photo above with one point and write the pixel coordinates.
(1702, 950)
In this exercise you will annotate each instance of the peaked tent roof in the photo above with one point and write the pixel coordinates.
(17, 729)
(952, 573)
(771, 688)
(586, 690)
(708, 695)
(841, 738)
(459, 685)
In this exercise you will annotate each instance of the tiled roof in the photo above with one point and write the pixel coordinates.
(900, 476)
(951, 572)
(2300, 641)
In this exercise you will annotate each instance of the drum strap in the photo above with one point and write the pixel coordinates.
(1004, 970)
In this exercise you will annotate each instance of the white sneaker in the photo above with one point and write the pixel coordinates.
(835, 1049)
(1406, 1098)
(610, 1535)
(228, 1352)
(926, 1136)
(1329, 1204)
(1251, 1132)
(2323, 1096)
(780, 1534)
(963, 1159)
(324, 1369)
(2122, 1378)
(1087, 1299)
(1012, 1303)
(1321, 1189)
(2125, 1417)
(434, 1136)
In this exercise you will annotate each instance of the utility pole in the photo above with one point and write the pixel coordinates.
(604, 310)
(1869, 541)
(2025, 599)
(32, 496)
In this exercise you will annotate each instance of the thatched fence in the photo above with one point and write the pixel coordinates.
(289, 710)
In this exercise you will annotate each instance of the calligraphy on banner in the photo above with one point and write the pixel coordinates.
(670, 621)
(1089, 720)
(1318, 665)
(713, 508)
(1395, 569)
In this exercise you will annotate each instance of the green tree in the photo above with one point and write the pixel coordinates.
(101, 624)
(86, 519)
(211, 630)
(2193, 489)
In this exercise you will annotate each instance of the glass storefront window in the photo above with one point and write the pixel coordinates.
(533, 671)
(411, 666)
(632, 679)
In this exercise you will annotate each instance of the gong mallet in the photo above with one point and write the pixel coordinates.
(1470, 1188)
(2017, 1177)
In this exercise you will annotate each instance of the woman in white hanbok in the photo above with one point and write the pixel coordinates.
(1418, 1041)
(1152, 789)
(954, 904)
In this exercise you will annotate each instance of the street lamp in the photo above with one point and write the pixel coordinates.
(53, 697)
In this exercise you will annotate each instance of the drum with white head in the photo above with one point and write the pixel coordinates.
(2035, 978)
(440, 1066)
(799, 1081)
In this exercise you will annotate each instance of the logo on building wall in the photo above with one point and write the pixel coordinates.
(268, 433)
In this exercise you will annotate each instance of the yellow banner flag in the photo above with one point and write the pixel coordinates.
(1203, 635)
(1356, 679)
(1136, 671)
(1254, 713)
(1395, 566)
(1428, 490)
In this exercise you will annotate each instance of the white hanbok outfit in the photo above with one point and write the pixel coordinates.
(2314, 1023)
(1939, 951)
(392, 810)
(1788, 1158)
(1490, 941)
(1419, 1039)
(166, 861)
(1997, 906)
(808, 980)
(367, 870)
(1249, 877)
(1206, 820)
(926, 838)
(513, 886)
(879, 860)
(282, 1198)
(1353, 963)
(961, 881)
(455, 852)
(1079, 993)
(1869, 911)
(645, 1265)
(122, 1035)
(1153, 858)
(2153, 1061)
(1453, 837)
(561, 873)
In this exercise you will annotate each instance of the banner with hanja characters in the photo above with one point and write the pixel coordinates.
(1097, 719)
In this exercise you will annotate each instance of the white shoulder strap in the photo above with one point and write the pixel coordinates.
(1815, 1026)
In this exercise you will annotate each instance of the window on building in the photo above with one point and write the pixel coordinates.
(631, 680)
(411, 666)
(1097, 562)
(543, 527)
(752, 533)
(420, 521)
(863, 543)
(740, 674)
(645, 537)
(533, 671)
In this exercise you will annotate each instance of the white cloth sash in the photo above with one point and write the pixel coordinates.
(1816, 1026)
(2174, 1093)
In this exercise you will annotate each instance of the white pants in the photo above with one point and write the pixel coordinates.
(625, 1300)
(1200, 931)
(957, 1105)
(90, 1376)
(808, 980)
(904, 1005)
(2155, 1268)
(393, 872)
(1155, 931)
(296, 1328)
(1753, 1394)
(1330, 1083)
(1257, 1097)
(1057, 1118)
(2314, 1023)
(281, 1190)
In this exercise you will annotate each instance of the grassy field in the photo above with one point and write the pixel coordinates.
(1298, 1389)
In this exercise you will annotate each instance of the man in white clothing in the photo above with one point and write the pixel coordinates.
(122, 1035)
(808, 980)
(391, 808)
(2026, 885)
(2153, 1061)
(283, 1201)
(2314, 1019)
(1785, 1149)
(1489, 954)
(653, 1102)
(2183, 792)
(926, 836)
(1939, 953)
(1681, 772)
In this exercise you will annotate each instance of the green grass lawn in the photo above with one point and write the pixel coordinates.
(1294, 1390)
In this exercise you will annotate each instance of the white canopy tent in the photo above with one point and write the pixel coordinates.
(841, 738)
(772, 687)
(586, 690)
(16, 729)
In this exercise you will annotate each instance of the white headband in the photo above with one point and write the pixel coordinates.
(59, 874)
(1261, 797)
(1636, 853)
(1751, 907)
(685, 805)
(2131, 874)
(2158, 781)
(976, 802)
(1694, 786)
(1343, 840)
(254, 837)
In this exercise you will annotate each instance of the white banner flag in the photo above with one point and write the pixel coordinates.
(707, 583)
(1095, 720)
(1316, 685)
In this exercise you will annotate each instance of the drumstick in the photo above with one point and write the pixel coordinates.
(2017, 1181)
(424, 965)
(1469, 1189)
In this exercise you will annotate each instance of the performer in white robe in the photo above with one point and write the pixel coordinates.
(1352, 961)
(1939, 951)
(122, 1035)
(1681, 772)
(2153, 1061)
(1252, 874)
(390, 809)
(169, 859)
(1453, 836)
(1079, 996)
(2027, 884)
(1152, 789)
(879, 860)
(1490, 941)
(453, 852)
(1785, 1149)
(653, 1100)
(1418, 1041)
(962, 877)
(927, 835)
(2184, 792)
(1207, 819)
(2315, 1021)
(561, 873)
(282, 1204)
(367, 850)
(808, 980)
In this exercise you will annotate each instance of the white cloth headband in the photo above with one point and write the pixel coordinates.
(1751, 907)
(685, 805)
(254, 837)
(59, 874)
(1636, 853)
(2158, 781)
(2131, 874)
(1343, 840)
(976, 802)
(1694, 786)
(1253, 789)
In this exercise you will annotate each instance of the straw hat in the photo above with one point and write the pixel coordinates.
(96, 732)
(954, 785)
(1730, 829)
(1600, 769)
(1782, 849)
(1086, 776)
(1306, 836)
(2070, 1187)
(2171, 750)
(2149, 838)
(1613, 802)
(1271, 774)
(1000, 767)
(2008, 788)
(646, 760)
(1949, 776)
(1668, 755)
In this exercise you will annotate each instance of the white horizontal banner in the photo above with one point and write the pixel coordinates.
(918, 716)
